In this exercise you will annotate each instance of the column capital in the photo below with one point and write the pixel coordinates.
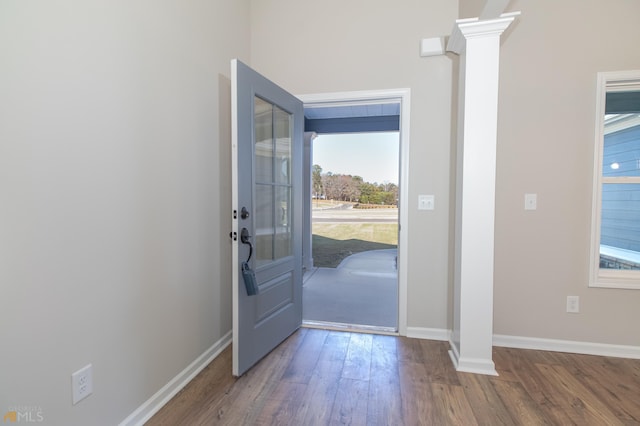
(465, 29)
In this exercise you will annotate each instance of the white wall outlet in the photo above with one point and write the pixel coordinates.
(530, 201)
(82, 383)
(573, 304)
(426, 202)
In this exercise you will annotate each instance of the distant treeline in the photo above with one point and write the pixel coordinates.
(352, 188)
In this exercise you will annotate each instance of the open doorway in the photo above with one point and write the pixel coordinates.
(376, 295)
(354, 192)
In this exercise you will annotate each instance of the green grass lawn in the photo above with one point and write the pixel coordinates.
(332, 242)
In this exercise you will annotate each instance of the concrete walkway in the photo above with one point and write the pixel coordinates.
(362, 290)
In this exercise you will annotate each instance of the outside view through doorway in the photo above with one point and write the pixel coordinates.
(355, 231)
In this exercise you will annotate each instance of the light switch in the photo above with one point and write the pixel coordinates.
(530, 201)
(426, 202)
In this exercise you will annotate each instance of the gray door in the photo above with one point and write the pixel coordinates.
(267, 149)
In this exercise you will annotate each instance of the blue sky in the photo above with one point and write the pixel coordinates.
(373, 156)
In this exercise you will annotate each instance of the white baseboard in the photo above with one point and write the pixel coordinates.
(441, 334)
(587, 348)
(168, 391)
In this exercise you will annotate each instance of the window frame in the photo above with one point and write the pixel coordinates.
(608, 278)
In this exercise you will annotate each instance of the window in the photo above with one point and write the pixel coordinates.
(615, 236)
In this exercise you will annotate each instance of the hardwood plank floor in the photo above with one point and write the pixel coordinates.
(320, 377)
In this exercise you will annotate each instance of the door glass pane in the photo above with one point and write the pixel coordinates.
(282, 120)
(272, 183)
(283, 243)
(263, 140)
(264, 224)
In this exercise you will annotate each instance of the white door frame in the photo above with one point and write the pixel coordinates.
(403, 96)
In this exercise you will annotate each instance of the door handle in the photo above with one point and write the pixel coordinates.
(245, 238)
(249, 276)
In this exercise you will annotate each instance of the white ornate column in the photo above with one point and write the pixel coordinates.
(478, 44)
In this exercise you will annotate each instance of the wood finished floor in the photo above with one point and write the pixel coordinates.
(321, 377)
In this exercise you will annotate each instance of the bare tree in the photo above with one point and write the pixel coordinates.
(316, 179)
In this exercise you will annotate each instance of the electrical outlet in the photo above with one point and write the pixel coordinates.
(82, 383)
(573, 304)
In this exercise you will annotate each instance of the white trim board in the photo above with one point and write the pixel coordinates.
(553, 345)
(143, 413)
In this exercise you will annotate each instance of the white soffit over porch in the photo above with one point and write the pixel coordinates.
(350, 111)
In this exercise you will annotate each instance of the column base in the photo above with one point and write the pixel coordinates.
(472, 365)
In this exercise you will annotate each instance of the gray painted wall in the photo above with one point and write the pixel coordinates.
(115, 195)
(546, 134)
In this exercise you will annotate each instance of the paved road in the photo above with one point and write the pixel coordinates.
(352, 219)
(355, 215)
